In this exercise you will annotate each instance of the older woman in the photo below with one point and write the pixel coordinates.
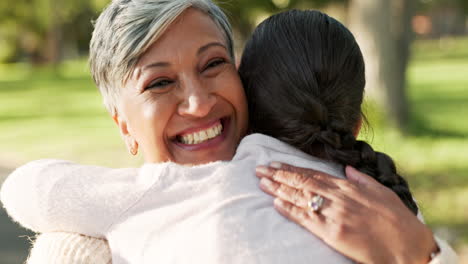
(168, 80)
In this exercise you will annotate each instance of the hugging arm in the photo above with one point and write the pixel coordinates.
(360, 218)
(69, 248)
(54, 195)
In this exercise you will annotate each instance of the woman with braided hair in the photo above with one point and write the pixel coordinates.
(304, 92)
(303, 74)
(308, 91)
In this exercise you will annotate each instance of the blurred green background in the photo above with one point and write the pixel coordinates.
(50, 108)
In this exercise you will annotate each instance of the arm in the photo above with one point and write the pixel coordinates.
(68, 248)
(53, 195)
(360, 218)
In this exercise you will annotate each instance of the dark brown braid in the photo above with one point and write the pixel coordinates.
(303, 74)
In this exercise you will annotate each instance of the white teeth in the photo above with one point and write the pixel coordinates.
(211, 133)
(201, 136)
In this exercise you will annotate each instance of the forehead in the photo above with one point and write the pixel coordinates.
(191, 30)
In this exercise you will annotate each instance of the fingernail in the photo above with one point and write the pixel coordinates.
(266, 182)
(275, 165)
(263, 170)
(351, 168)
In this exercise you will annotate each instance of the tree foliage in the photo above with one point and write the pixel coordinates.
(245, 14)
(36, 29)
(39, 30)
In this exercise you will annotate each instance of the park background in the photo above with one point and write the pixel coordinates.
(417, 101)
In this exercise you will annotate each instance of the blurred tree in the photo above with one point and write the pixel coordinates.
(246, 14)
(44, 28)
(383, 30)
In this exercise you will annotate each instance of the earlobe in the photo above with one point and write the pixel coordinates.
(130, 142)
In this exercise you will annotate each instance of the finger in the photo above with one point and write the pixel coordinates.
(264, 171)
(284, 166)
(315, 223)
(292, 195)
(318, 175)
(295, 180)
(297, 197)
(359, 177)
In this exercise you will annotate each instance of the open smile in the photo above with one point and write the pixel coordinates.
(201, 137)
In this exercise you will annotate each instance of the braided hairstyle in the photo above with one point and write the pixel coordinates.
(303, 74)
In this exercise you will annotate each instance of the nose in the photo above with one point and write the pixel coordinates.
(198, 100)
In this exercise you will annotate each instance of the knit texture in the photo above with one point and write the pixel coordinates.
(69, 248)
(65, 248)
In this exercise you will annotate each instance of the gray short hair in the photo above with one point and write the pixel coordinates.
(127, 28)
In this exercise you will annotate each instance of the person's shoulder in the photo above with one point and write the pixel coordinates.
(25, 175)
(257, 143)
(36, 166)
(265, 149)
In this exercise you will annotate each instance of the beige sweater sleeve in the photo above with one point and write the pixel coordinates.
(68, 248)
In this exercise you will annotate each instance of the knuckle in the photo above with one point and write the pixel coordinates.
(348, 186)
(279, 175)
(307, 195)
(275, 187)
(338, 231)
(298, 180)
(318, 176)
(295, 196)
(282, 190)
(341, 196)
(342, 212)
(288, 207)
(297, 213)
(301, 215)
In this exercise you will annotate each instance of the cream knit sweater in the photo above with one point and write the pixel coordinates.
(69, 248)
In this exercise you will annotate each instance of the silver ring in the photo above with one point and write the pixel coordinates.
(316, 203)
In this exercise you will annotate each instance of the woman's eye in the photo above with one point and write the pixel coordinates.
(159, 84)
(215, 63)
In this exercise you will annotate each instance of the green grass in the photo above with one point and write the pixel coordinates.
(44, 113)
(59, 115)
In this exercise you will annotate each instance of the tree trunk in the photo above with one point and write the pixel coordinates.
(383, 30)
(53, 43)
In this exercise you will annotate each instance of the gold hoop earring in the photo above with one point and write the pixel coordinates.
(134, 148)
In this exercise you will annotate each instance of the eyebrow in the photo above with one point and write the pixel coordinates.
(200, 50)
(209, 45)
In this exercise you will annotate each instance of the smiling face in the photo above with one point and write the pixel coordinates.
(185, 102)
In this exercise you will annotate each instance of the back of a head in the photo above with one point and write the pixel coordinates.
(304, 78)
(303, 72)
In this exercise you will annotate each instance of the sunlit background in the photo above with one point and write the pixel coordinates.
(417, 60)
